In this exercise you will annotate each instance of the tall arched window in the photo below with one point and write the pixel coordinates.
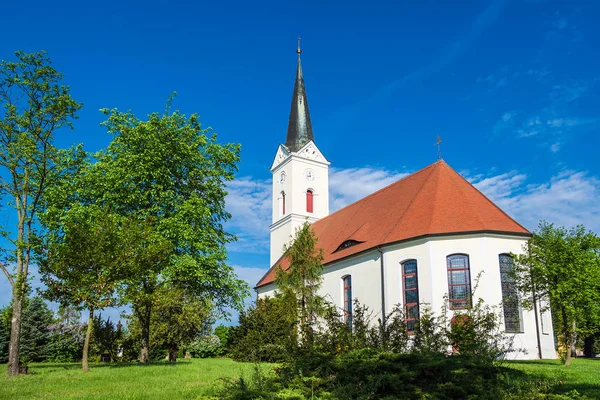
(510, 298)
(347, 280)
(309, 201)
(410, 286)
(282, 203)
(459, 281)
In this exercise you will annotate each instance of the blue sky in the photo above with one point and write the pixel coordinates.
(511, 87)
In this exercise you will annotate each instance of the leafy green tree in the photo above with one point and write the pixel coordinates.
(303, 279)
(177, 319)
(563, 268)
(167, 172)
(83, 261)
(34, 105)
(223, 332)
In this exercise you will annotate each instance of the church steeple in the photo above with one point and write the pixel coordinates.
(299, 127)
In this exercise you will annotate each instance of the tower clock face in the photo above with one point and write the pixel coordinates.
(282, 177)
(309, 174)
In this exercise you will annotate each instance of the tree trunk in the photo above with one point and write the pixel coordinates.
(145, 345)
(567, 337)
(86, 344)
(573, 346)
(15, 331)
(173, 353)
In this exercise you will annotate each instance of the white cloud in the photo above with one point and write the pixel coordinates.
(249, 202)
(349, 185)
(554, 126)
(568, 199)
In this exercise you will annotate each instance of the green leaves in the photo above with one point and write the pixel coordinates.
(562, 267)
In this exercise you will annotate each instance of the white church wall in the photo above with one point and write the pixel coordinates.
(483, 251)
(366, 283)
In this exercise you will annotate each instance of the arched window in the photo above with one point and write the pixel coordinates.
(459, 281)
(347, 280)
(309, 201)
(410, 286)
(282, 203)
(510, 298)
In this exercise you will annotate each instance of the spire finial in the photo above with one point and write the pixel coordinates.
(438, 142)
(299, 51)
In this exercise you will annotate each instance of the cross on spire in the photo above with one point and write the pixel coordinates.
(299, 51)
(438, 143)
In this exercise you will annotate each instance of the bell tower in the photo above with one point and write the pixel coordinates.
(300, 174)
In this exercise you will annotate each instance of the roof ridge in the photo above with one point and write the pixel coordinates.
(412, 200)
(383, 188)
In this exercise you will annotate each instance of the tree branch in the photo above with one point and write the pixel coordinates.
(8, 276)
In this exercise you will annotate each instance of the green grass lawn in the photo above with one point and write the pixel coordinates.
(186, 379)
(550, 375)
(200, 377)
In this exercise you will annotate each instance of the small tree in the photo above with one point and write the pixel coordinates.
(303, 279)
(267, 331)
(562, 267)
(33, 106)
(178, 319)
(4, 333)
(84, 260)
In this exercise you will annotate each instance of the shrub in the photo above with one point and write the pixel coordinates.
(205, 347)
(267, 331)
(66, 341)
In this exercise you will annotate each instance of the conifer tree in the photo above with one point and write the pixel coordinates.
(4, 334)
(303, 279)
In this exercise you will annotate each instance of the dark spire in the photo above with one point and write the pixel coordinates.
(299, 128)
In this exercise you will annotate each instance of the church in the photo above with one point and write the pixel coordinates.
(424, 237)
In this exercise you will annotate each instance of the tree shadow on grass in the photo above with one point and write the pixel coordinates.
(558, 382)
(76, 366)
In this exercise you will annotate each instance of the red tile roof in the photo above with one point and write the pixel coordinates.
(435, 200)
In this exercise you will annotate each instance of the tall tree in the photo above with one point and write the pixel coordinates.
(33, 106)
(303, 279)
(169, 173)
(83, 260)
(178, 318)
(561, 268)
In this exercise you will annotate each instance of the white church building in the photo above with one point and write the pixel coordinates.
(411, 243)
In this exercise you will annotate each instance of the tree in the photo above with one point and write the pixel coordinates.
(33, 107)
(67, 335)
(267, 331)
(303, 279)
(35, 332)
(106, 337)
(562, 267)
(168, 174)
(4, 334)
(84, 259)
(177, 319)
